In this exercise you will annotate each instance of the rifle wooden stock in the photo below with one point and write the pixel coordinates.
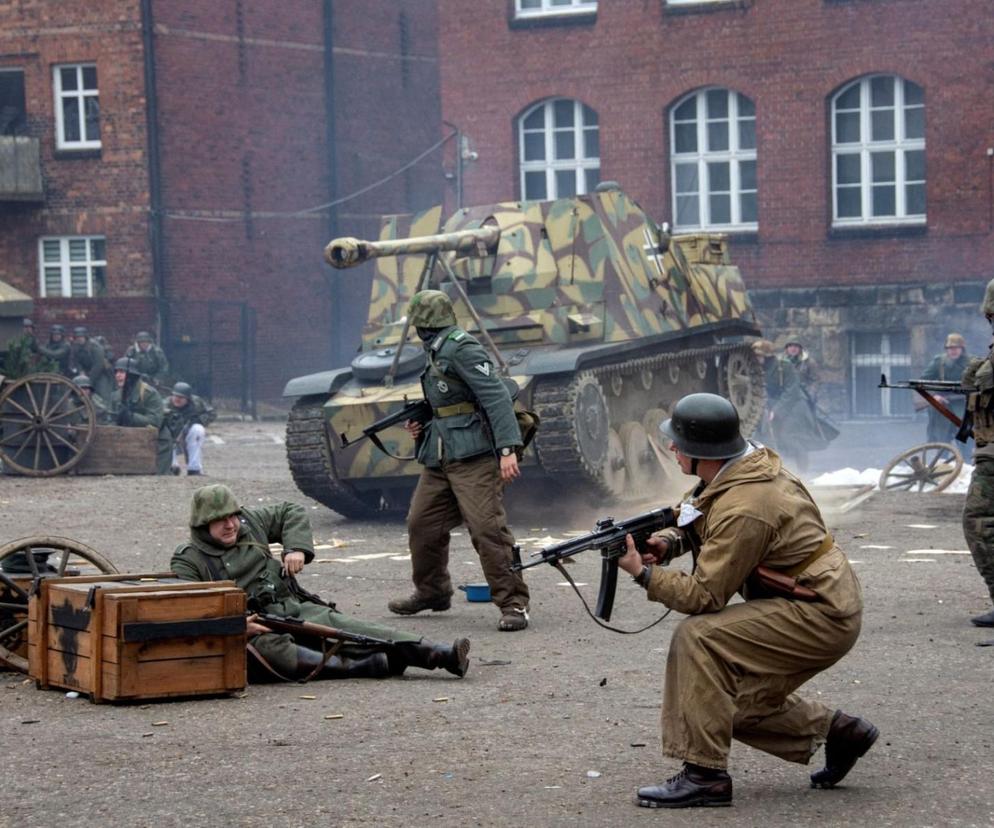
(294, 626)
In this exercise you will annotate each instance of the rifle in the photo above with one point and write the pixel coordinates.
(609, 537)
(924, 389)
(418, 411)
(294, 626)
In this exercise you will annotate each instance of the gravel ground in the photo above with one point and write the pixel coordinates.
(553, 726)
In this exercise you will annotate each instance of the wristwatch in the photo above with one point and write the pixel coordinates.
(642, 579)
(507, 451)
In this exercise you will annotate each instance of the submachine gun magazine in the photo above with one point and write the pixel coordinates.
(609, 537)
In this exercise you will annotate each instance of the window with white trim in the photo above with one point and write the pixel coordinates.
(72, 265)
(543, 8)
(77, 107)
(878, 152)
(559, 148)
(873, 354)
(713, 161)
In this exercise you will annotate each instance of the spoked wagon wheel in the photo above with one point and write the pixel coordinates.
(24, 561)
(46, 425)
(930, 467)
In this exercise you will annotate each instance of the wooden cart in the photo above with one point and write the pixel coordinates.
(48, 426)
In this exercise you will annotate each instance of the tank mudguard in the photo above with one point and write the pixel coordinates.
(325, 382)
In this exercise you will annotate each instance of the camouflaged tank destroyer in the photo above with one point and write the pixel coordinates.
(601, 317)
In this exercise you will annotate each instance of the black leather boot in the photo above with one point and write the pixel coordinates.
(309, 661)
(431, 656)
(849, 738)
(985, 620)
(693, 787)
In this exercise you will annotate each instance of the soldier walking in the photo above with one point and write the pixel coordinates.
(732, 668)
(949, 366)
(469, 453)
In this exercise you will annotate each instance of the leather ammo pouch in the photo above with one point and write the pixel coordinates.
(782, 583)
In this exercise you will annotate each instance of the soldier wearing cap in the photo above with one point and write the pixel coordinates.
(732, 668)
(135, 403)
(89, 358)
(469, 452)
(949, 365)
(228, 540)
(57, 349)
(149, 357)
(184, 429)
(978, 511)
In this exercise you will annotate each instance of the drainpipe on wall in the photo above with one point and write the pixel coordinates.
(155, 232)
(335, 343)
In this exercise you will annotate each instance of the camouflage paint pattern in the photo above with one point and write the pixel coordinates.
(978, 520)
(540, 274)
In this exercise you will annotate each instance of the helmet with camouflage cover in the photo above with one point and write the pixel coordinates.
(82, 381)
(987, 306)
(212, 503)
(955, 340)
(431, 309)
(143, 336)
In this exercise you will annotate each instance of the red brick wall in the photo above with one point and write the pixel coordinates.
(788, 56)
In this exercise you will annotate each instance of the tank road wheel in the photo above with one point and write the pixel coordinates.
(741, 380)
(21, 563)
(46, 425)
(573, 441)
(930, 467)
(312, 468)
(640, 461)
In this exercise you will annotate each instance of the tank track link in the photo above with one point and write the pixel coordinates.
(558, 445)
(311, 466)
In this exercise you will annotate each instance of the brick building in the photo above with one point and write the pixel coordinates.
(179, 165)
(846, 147)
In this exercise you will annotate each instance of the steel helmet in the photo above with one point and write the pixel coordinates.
(183, 389)
(212, 503)
(955, 340)
(58, 329)
(80, 330)
(431, 309)
(143, 336)
(27, 323)
(127, 364)
(705, 426)
(82, 381)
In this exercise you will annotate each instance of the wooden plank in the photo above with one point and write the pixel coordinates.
(204, 647)
(96, 658)
(59, 676)
(120, 450)
(235, 667)
(183, 676)
(122, 609)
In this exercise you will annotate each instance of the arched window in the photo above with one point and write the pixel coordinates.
(559, 148)
(713, 161)
(878, 152)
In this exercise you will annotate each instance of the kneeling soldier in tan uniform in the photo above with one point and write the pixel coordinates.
(732, 669)
(469, 452)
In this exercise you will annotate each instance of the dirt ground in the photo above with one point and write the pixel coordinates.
(554, 726)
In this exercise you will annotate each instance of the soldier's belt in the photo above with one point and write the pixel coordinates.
(455, 408)
(824, 548)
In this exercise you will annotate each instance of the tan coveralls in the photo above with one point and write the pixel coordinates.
(732, 668)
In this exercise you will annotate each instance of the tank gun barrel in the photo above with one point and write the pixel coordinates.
(349, 252)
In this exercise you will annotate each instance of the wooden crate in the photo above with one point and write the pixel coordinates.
(121, 637)
(120, 450)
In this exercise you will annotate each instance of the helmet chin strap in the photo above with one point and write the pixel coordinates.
(693, 466)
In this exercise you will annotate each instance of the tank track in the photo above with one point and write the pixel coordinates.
(558, 445)
(311, 466)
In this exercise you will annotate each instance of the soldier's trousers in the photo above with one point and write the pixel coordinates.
(280, 650)
(978, 519)
(733, 673)
(470, 492)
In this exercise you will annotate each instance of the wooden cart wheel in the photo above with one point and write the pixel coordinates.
(24, 561)
(46, 425)
(930, 467)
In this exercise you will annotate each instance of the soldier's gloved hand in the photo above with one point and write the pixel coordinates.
(293, 562)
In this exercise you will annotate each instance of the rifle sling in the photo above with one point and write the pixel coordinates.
(558, 565)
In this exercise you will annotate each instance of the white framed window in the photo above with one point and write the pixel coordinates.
(559, 148)
(873, 354)
(878, 152)
(713, 161)
(544, 8)
(77, 106)
(72, 265)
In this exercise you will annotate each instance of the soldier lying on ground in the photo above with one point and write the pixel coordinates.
(229, 541)
(732, 669)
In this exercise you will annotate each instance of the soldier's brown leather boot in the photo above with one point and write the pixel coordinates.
(849, 738)
(693, 787)
(415, 603)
